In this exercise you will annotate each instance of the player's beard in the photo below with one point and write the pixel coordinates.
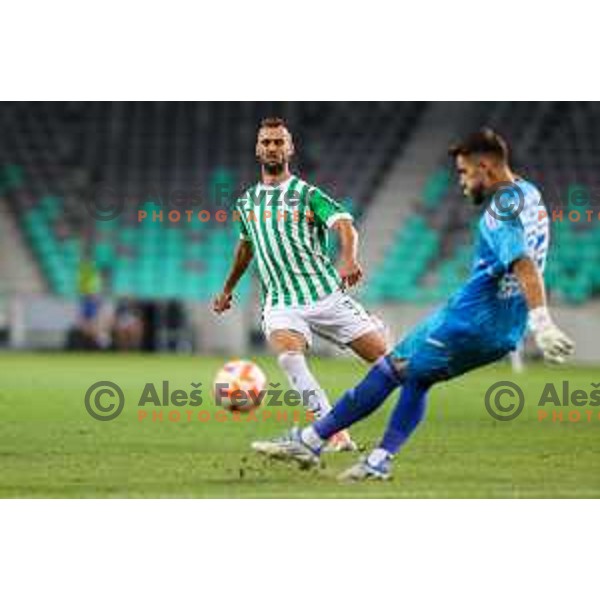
(272, 168)
(478, 199)
(478, 195)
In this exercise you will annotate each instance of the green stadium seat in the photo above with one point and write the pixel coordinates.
(11, 178)
(436, 188)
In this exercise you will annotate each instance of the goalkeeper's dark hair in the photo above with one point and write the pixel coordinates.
(485, 141)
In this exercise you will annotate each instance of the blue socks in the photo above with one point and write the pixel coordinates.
(360, 401)
(370, 394)
(406, 415)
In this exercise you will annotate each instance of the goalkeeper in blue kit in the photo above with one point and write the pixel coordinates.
(483, 321)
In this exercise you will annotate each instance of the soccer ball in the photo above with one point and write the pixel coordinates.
(238, 386)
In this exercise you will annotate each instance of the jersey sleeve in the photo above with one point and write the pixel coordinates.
(326, 210)
(244, 234)
(507, 239)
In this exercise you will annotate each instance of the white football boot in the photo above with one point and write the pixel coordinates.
(364, 469)
(288, 447)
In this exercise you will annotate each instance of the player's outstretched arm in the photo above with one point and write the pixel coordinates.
(349, 269)
(241, 260)
(554, 344)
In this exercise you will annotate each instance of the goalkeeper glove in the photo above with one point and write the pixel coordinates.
(553, 343)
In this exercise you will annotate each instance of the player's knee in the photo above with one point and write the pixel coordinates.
(399, 366)
(416, 370)
(376, 348)
(371, 346)
(383, 338)
(287, 341)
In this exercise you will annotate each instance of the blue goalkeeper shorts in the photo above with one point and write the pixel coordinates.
(442, 346)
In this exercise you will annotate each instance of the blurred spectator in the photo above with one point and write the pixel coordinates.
(174, 329)
(128, 328)
(90, 332)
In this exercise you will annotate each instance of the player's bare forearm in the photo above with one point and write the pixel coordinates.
(350, 270)
(241, 260)
(555, 345)
(348, 239)
(531, 282)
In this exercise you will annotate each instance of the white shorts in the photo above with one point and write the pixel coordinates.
(337, 318)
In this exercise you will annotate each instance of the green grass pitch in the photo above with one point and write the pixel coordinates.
(51, 447)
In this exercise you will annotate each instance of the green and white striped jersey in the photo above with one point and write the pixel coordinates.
(287, 225)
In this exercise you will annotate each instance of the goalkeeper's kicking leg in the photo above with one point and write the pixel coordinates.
(387, 374)
(405, 418)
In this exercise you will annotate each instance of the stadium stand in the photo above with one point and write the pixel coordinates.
(55, 158)
(64, 156)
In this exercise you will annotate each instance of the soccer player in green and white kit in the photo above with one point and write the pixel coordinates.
(284, 223)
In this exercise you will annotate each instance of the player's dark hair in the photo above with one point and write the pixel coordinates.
(273, 122)
(484, 141)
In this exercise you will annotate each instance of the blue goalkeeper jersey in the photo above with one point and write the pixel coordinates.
(491, 302)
